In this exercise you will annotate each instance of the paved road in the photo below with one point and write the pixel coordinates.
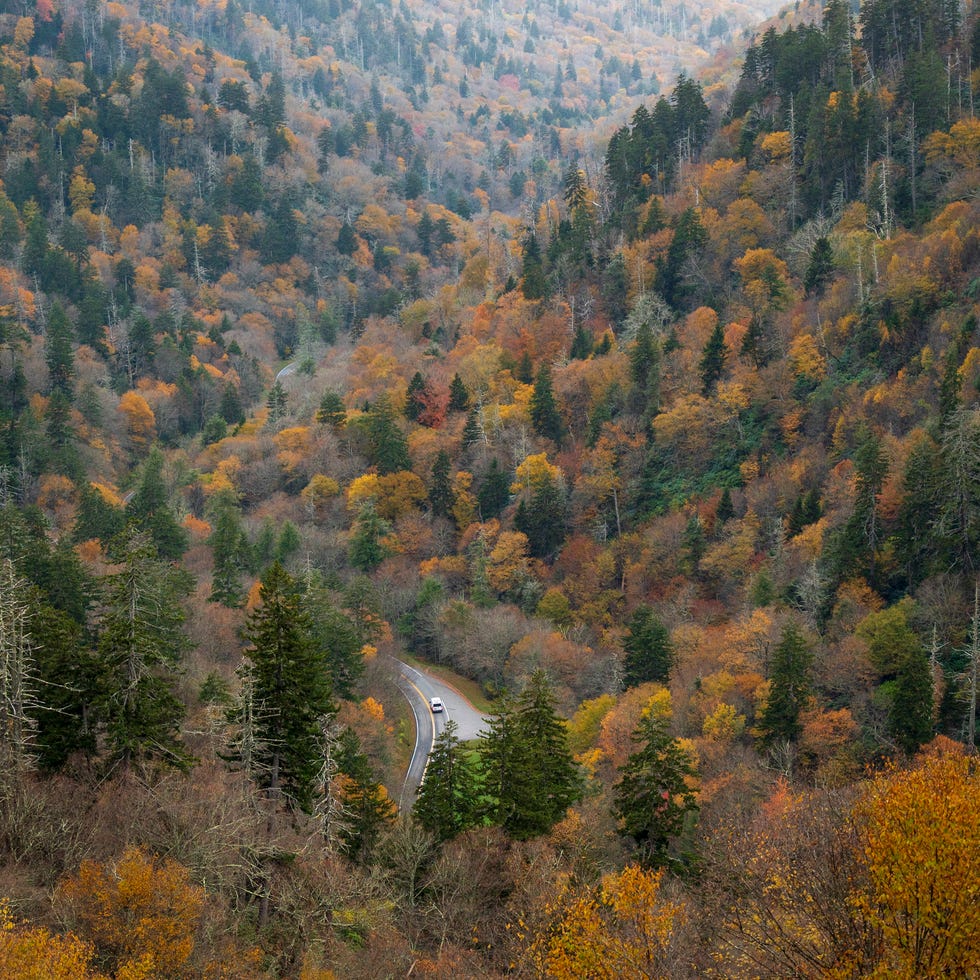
(418, 686)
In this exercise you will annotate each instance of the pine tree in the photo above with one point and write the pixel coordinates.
(789, 688)
(544, 409)
(275, 402)
(820, 268)
(289, 689)
(368, 806)
(544, 518)
(447, 799)
(366, 549)
(910, 714)
(653, 798)
(649, 652)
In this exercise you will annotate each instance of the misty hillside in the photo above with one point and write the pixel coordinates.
(618, 364)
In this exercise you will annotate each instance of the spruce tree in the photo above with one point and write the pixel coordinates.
(789, 688)
(59, 354)
(441, 495)
(649, 652)
(531, 776)
(413, 395)
(447, 799)
(494, 492)
(332, 410)
(544, 409)
(231, 551)
(712, 363)
(284, 673)
(149, 511)
(140, 649)
(652, 798)
(387, 443)
(459, 397)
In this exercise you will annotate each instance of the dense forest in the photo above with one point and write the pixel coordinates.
(620, 361)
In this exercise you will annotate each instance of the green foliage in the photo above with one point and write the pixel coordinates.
(789, 688)
(285, 693)
(448, 797)
(530, 775)
(654, 798)
(649, 652)
(140, 650)
(545, 416)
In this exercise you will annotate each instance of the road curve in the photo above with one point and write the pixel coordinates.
(418, 687)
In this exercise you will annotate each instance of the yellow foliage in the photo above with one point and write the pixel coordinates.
(140, 912)
(295, 439)
(620, 931)
(362, 489)
(777, 146)
(920, 834)
(806, 359)
(534, 473)
(373, 709)
(319, 491)
(140, 420)
(724, 724)
(28, 953)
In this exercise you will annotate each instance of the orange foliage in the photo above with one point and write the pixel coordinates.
(140, 912)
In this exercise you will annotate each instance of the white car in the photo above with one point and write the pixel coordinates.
(436, 705)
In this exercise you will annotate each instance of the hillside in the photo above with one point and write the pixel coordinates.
(622, 358)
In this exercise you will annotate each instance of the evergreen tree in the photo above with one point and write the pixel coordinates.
(286, 678)
(582, 344)
(332, 410)
(366, 549)
(369, 808)
(712, 363)
(59, 354)
(821, 267)
(494, 492)
(726, 509)
(649, 652)
(387, 443)
(652, 798)
(447, 799)
(789, 688)
(532, 779)
(149, 511)
(544, 518)
(413, 397)
(441, 497)
(140, 649)
(230, 548)
(68, 713)
(534, 282)
(96, 517)
(459, 397)
(275, 402)
(339, 635)
(545, 417)
(910, 713)
(231, 409)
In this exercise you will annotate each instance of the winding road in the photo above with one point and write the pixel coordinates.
(418, 687)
